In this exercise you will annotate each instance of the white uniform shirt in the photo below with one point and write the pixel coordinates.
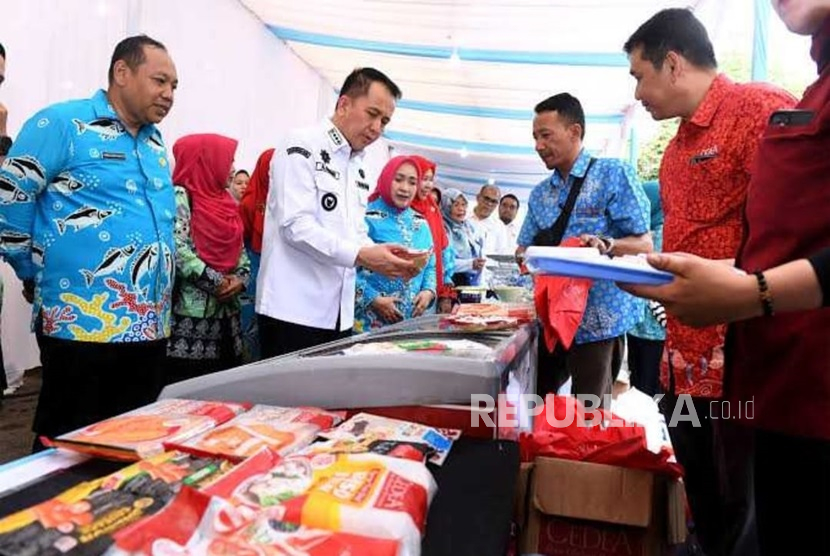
(513, 230)
(314, 228)
(496, 239)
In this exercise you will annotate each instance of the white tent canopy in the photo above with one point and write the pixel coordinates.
(471, 72)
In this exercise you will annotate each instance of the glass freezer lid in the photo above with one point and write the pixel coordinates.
(475, 346)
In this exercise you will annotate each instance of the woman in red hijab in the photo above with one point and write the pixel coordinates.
(212, 268)
(425, 205)
(252, 206)
(252, 212)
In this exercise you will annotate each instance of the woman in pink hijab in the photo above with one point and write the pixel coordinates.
(391, 219)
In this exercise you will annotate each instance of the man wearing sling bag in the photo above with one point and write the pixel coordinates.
(601, 202)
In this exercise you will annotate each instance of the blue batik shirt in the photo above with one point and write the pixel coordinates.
(611, 203)
(649, 328)
(87, 212)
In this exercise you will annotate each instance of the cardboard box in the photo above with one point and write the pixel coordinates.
(573, 508)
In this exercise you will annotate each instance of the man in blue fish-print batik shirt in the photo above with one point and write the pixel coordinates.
(611, 213)
(86, 221)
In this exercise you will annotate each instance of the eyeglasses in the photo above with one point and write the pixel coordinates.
(490, 200)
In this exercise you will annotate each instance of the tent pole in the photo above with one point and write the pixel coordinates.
(633, 147)
(134, 17)
(760, 40)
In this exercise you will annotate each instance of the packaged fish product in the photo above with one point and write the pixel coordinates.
(364, 494)
(142, 433)
(283, 430)
(415, 451)
(365, 428)
(81, 520)
(196, 524)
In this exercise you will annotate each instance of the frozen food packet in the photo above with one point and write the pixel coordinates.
(364, 494)
(196, 524)
(365, 427)
(142, 433)
(81, 520)
(283, 430)
(415, 451)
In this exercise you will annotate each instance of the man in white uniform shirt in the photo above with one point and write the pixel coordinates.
(315, 233)
(496, 240)
(508, 209)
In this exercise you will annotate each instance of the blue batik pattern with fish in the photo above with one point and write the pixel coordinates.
(86, 213)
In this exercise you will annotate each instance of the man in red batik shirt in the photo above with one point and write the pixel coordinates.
(704, 176)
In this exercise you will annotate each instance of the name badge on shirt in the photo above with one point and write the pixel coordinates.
(322, 167)
(113, 156)
(705, 155)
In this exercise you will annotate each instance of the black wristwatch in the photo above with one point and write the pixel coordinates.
(5, 144)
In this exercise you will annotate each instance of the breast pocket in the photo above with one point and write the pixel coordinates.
(588, 207)
(329, 197)
(589, 213)
(711, 190)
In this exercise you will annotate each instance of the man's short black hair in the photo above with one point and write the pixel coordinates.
(2, 51)
(510, 196)
(242, 171)
(358, 82)
(673, 30)
(567, 106)
(131, 50)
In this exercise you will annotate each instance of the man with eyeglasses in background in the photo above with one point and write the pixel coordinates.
(487, 222)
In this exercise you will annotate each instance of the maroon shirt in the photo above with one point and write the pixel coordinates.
(782, 363)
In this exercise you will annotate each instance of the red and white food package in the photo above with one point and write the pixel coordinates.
(284, 430)
(195, 524)
(144, 432)
(364, 494)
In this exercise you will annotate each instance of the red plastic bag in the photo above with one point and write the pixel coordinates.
(560, 304)
(566, 430)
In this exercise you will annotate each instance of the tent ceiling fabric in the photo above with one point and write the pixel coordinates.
(472, 70)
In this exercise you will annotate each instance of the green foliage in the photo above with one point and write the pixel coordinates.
(648, 163)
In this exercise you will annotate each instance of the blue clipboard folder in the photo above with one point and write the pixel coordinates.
(583, 262)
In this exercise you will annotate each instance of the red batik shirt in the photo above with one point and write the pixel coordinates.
(703, 177)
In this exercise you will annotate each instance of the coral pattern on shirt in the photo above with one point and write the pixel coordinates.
(704, 177)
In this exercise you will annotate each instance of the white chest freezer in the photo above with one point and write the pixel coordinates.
(419, 369)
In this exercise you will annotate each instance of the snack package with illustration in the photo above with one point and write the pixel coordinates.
(283, 430)
(81, 520)
(363, 494)
(196, 524)
(142, 433)
(415, 451)
(363, 429)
